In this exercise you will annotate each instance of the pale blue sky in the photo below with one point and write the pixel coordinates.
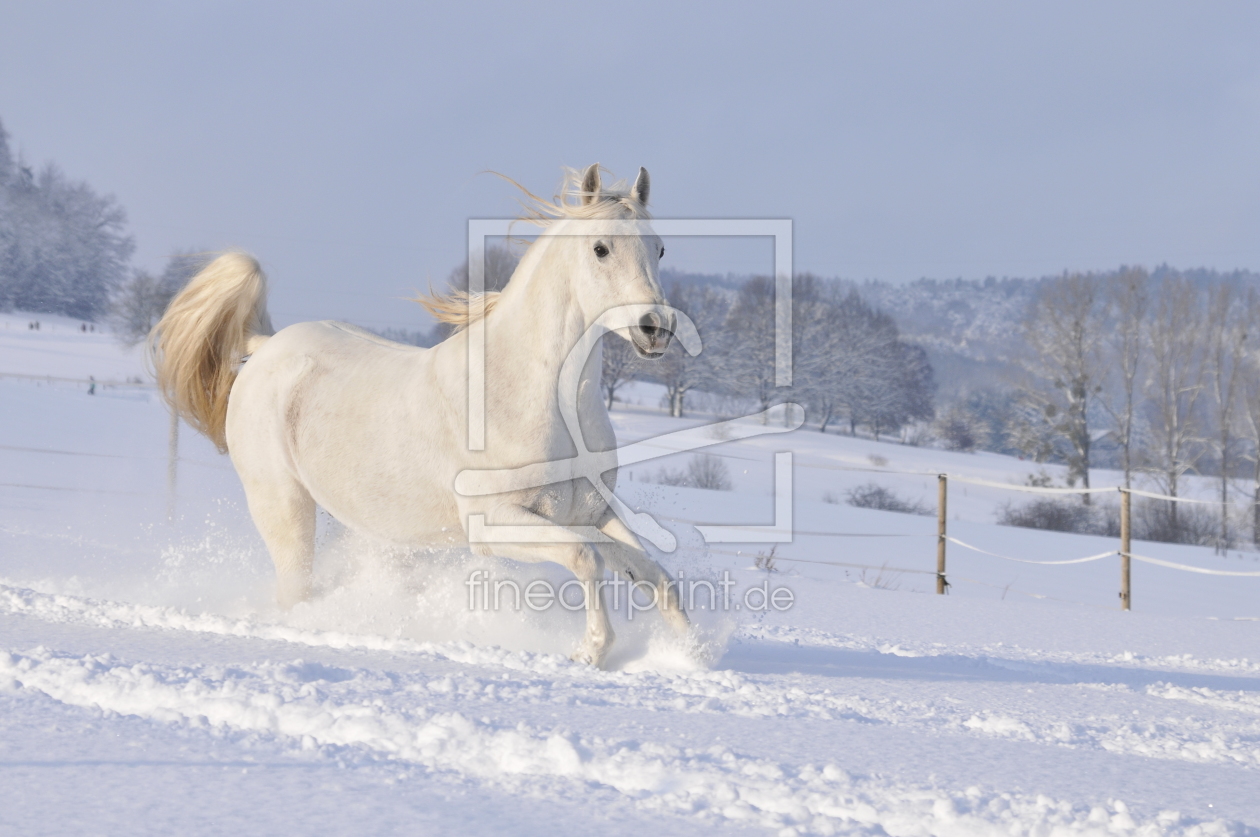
(342, 142)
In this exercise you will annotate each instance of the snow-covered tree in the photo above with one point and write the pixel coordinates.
(848, 359)
(1225, 353)
(1122, 349)
(1250, 399)
(140, 302)
(746, 358)
(63, 248)
(1175, 385)
(620, 365)
(680, 372)
(1064, 371)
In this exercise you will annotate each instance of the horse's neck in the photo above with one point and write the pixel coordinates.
(538, 316)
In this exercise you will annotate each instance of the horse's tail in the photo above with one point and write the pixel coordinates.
(209, 327)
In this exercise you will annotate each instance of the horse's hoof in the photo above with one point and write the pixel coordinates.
(290, 594)
(594, 659)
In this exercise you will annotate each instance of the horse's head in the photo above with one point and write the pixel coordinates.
(614, 259)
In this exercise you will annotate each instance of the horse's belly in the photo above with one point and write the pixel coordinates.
(379, 469)
(415, 513)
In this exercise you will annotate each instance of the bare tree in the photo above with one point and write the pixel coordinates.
(1250, 398)
(846, 355)
(620, 365)
(1174, 384)
(1063, 332)
(1225, 358)
(678, 371)
(912, 385)
(500, 263)
(839, 347)
(823, 345)
(137, 306)
(861, 372)
(849, 357)
(747, 345)
(1128, 300)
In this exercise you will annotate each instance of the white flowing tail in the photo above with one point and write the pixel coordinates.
(196, 348)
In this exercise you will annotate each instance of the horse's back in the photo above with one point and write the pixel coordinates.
(282, 369)
(331, 338)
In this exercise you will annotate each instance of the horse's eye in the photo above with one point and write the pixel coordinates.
(601, 250)
(662, 255)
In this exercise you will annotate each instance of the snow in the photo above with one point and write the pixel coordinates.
(59, 349)
(149, 686)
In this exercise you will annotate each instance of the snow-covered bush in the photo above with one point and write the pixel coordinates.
(1057, 515)
(872, 496)
(703, 471)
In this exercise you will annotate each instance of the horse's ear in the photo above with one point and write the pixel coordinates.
(642, 185)
(590, 183)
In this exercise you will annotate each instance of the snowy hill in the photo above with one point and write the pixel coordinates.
(150, 685)
(62, 349)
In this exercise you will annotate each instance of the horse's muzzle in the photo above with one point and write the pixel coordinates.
(652, 334)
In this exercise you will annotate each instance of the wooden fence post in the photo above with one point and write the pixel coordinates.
(1125, 531)
(941, 584)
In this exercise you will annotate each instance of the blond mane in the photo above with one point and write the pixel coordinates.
(456, 307)
(613, 202)
(616, 202)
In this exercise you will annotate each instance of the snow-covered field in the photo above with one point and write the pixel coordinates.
(149, 686)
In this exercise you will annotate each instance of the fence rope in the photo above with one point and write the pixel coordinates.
(1031, 489)
(72, 452)
(1027, 489)
(62, 380)
(1189, 568)
(85, 490)
(1154, 496)
(825, 466)
(778, 558)
(859, 566)
(758, 526)
(1100, 555)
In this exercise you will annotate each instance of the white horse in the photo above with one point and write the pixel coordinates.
(375, 432)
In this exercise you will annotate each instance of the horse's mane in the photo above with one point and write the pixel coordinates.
(610, 203)
(614, 202)
(456, 307)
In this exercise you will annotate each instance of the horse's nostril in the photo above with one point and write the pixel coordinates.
(652, 327)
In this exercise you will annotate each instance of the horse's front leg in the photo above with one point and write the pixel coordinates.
(542, 540)
(626, 555)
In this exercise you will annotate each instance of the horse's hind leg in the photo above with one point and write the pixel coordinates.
(284, 513)
(627, 556)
